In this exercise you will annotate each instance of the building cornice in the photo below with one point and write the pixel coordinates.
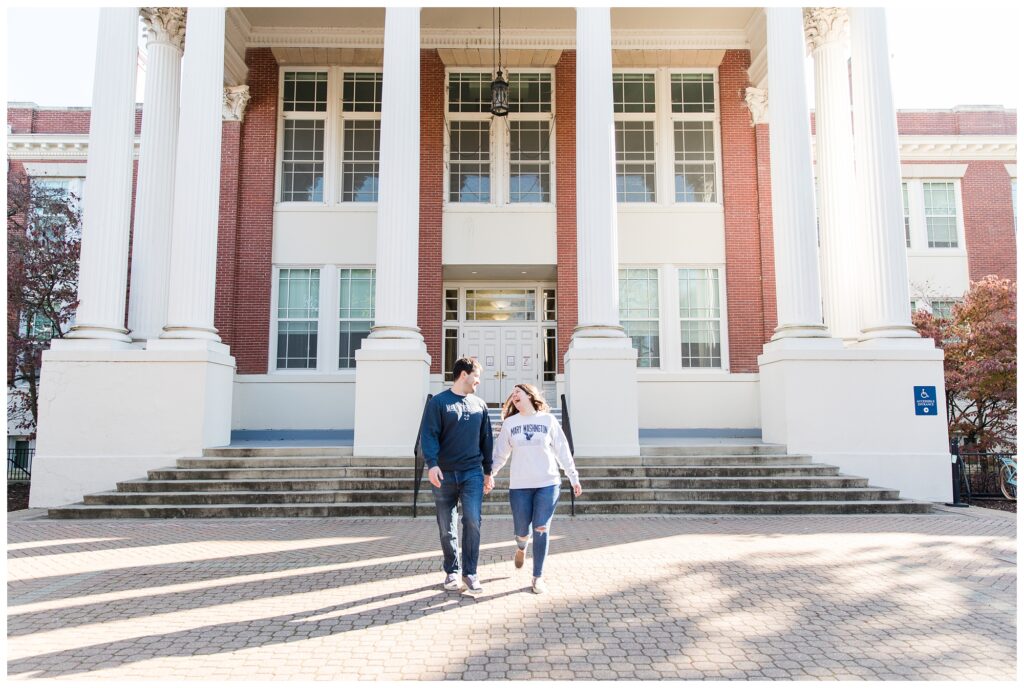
(967, 147)
(51, 146)
(523, 39)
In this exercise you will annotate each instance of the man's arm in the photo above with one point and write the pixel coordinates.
(486, 441)
(430, 434)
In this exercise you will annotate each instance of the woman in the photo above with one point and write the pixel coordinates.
(537, 445)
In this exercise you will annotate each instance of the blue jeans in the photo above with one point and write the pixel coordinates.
(534, 505)
(468, 487)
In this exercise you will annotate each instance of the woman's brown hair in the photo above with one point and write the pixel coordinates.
(536, 398)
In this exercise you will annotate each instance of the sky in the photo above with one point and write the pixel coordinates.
(942, 55)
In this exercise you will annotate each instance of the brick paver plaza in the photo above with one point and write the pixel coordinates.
(804, 597)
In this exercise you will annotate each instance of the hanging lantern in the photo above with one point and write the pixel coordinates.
(499, 96)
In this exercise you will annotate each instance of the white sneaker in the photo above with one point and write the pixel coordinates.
(472, 583)
(451, 582)
(539, 586)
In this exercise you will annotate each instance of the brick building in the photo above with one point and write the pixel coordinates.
(310, 248)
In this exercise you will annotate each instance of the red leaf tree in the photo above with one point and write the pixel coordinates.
(980, 342)
(43, 247)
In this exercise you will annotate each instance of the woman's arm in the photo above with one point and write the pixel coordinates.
(502, 449)
(560, 445)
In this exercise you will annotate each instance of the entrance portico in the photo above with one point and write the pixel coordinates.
(420, 231)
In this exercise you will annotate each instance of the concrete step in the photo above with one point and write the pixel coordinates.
(394, 472)
(372, 509)
(278, 451)
(711, 449)
(391, 484)
(497, 496)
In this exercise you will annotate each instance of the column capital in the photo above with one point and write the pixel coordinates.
(165, 25)
(824, 25)
(757, 103)
(235, 100)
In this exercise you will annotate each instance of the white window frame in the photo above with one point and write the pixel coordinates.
(337, 317)
(339, 143)
(664, 138)
(918, 223)
(500, 141)
(661, 311)
(272, 368)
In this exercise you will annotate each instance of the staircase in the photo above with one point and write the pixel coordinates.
(329, 481)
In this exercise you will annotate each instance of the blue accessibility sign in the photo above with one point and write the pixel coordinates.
(925, 401)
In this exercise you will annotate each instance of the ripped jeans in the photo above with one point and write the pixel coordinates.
(536, 506)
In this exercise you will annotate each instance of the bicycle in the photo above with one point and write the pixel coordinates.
(1008, 477)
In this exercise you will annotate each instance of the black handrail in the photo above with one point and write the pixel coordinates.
(417, 452)
(19, 463)
(567, 428)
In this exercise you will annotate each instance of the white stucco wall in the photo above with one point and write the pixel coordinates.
(508, 237)
(943, 275)
(667, 235)
(294, 402)
(699, 400)
(323, 236)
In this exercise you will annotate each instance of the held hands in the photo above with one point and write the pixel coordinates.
(577, 489)
(488, 484)
(435, 477)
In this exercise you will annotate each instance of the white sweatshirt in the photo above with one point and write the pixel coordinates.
(536, 443)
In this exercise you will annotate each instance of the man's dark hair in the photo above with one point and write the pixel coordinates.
(465, 365)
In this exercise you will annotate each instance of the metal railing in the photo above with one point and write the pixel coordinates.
(417, 452)
(567, 429)
(19, 464)
(984, 474)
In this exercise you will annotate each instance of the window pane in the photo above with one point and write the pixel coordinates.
(469, 161)
(451, 350)
(943, 308)
(528, 92)
(302, 165)
(906, 213)
(296, 344)
(351, 334)
(298, 293)
(451, 304)
(639, 313)
(361, 92)
(360, 164)
(356, 293)
(940, 214)
(550, 354)
(700, 318)
(633, 92)
(695, 162)
(501, 304)
(529, 162)
(305, 92)
(635, 162)
(693, 92)
(550, 305)
(469, 92)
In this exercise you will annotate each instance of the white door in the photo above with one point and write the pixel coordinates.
(520, 357)
(483, 342)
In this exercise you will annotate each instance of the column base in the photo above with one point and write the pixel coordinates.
(392, 382)
(94, 338)
(855, 408)
(601, 391)
(190, 332)
(800, 332)
(108, 416)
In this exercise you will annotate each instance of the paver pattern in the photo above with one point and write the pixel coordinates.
(739, 597)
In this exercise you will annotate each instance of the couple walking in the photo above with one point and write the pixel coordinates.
(463, 458)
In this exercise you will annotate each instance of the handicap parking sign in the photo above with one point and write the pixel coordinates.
(925, 401)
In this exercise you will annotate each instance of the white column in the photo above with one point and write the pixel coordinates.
(886, 290)
(392, 366)
(828, 41)
(398, 203)
(193, 262)
(600, 365)
(154, 195)
(798, 290)
(597, 248)
(103, 270)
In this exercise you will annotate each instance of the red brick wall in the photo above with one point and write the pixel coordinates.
(988, 220)
(952, 122)
(56, 120)
(744, 296)
(565, 201)
(227, 232)
(254, 240)
(764, 203)
(429, 312)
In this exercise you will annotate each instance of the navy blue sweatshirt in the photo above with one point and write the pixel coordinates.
(455, 433)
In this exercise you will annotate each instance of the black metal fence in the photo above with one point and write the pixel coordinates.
(19, 464)
(982, 473)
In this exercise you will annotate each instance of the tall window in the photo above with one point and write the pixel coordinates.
(499, 160)
(693, 115)
(298, 311)
(304, 108)
(906, 213)
(635, 158)
(940, 214)
(360, 157)
(355, 312)
(700, 316)
(943, 308)
(638, 313)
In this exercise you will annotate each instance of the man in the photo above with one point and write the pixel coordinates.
(455, 436)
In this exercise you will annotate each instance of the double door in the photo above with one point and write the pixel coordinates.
(509, 354)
